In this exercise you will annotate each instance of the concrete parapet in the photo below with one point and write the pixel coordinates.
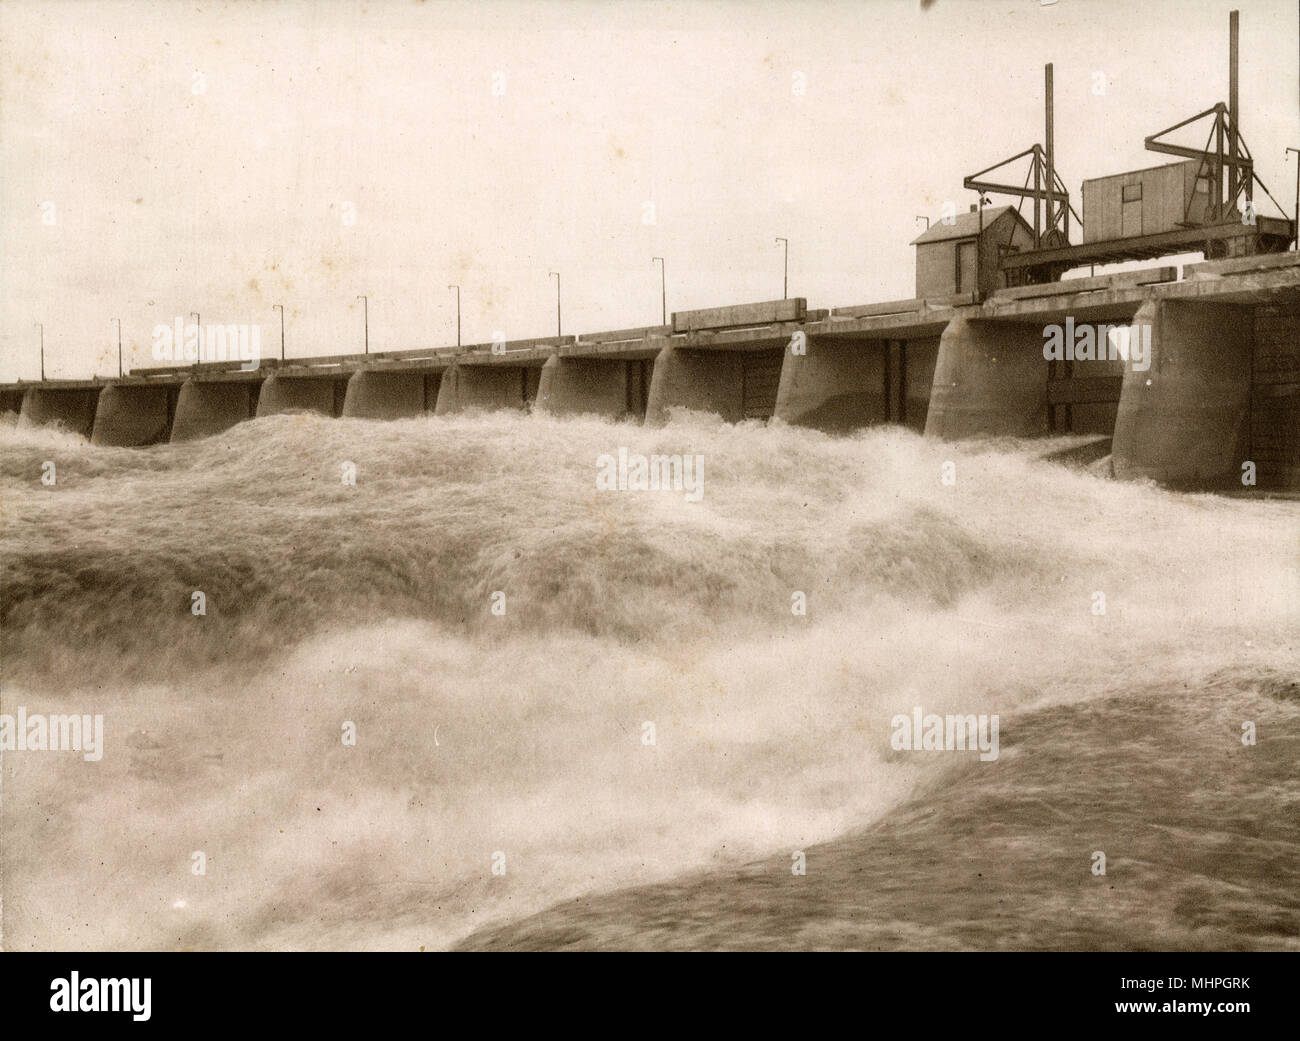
(375, 394)
(573, 386)
(1184, 421)
(990, 379)
(836, 387)
(73, 410)
(128, 416)
(485, 387)
(707, 381)
(297, 394)
(207, 408)
(791, 309)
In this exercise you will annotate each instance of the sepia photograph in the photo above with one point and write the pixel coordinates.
(711, 476)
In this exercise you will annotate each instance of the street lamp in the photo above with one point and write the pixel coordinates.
(457, 288)
(281, 309)
(785, 282)
(1296, 211)
(663, 289)
(926, 219)
(119, 347)
(979, 248)
(365, 301)
(41, 326)
(557, 300)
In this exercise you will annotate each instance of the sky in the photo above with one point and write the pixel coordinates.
(162, 158)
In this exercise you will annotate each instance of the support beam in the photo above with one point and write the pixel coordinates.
(990, 379)
(1184, 421)
(128, 416)
(1049, 152)
(1234, 117)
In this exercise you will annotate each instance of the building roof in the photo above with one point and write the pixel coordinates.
(964, 226)
(1145, 169)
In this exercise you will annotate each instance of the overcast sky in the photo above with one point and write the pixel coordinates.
(206, 156)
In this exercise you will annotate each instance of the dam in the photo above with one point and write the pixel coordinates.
(1202, 393)
(1220, 389)
(938, 596)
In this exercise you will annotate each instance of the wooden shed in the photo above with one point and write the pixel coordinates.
(951, 258)
(1145, 202)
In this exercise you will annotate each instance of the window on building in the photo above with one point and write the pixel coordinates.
(965, 275)
(1132, 193)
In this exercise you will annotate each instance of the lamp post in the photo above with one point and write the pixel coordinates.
(926, 219)
(557, 300)
(457, 288)
(1296, 211)
(365, 303)
(41, 326)
(119, 347)
(280, 307)
(979, 248)
(785, 281)
(663, 290)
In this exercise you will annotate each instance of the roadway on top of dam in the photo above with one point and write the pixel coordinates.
(765, 326)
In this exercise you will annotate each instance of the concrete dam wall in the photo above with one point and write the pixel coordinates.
(1208, 389)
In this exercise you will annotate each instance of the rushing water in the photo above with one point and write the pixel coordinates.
(524, 734)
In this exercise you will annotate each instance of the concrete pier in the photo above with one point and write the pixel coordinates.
(282, 393)
(128, 416)
(487, 386)
(375, 394)
(990, 379)
(1184, 421)
(592, 386)
(71, 409)
(706, 381)
(836, 387)
(205, 408)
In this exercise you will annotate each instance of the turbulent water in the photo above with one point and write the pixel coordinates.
(518, 741)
